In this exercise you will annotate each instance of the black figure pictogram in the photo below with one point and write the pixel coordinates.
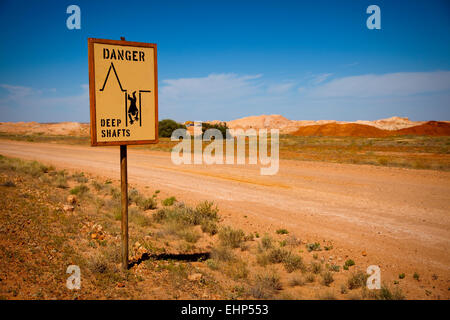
(133, 112)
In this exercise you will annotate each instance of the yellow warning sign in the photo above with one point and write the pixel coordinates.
(123, 92)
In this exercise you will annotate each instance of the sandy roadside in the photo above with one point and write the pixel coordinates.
(399, 218)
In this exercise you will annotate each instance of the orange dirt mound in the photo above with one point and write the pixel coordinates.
(430, 128)
(341, 130)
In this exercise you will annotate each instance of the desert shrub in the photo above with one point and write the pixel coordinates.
(207, 210)
(266, 241)
(203, 213)
(265, 285)
(310, 278)
(348, 263)
(115, 193)
(231, 237)
(147, 203)
(61, 182)
(188, 234)
(401, 276)
(222, 254)
(97, 186)
(262, 259)
(210, 227)
(296, 280)
(357, 280)
(277, 255)
(293, 241)
(293, 262)
(104, 262)
(33, 168)
(236, 269)
(79, 177)
(416, 276)
(134, 196)
(313, 247)
(138, 217)
(98, 264)
(212, 264)
(315, 267)
(334, 268)
(327, 278)
(282, 231)
(386, 294)
(80, 190)
(169, 201)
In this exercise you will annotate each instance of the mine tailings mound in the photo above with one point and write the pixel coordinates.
(430, 128)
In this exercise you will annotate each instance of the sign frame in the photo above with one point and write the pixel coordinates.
(92, 89)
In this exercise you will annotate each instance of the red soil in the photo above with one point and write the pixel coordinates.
(430, 128)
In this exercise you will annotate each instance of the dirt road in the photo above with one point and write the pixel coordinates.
(396, 218)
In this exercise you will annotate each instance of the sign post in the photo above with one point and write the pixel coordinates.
(124, 204)
(123, 93)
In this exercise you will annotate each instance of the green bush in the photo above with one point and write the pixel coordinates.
(327, 278)
(222, 127)
(313, 247)
(278, 255)
(222, 254)
(357, 280)
(139, 218)
(167, 126)
(266, 285)
(80, 190)
(266, 241)
(231, 237)
(293, 262)
(169, 201)
(282, 231)
(348, 264)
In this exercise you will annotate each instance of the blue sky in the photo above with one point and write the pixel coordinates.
(229, 59)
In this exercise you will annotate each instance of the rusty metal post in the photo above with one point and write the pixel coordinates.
(124, 203)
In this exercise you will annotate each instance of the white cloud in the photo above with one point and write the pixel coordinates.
(318, 79)
(280, 88)
(390, 84)
(29, 104)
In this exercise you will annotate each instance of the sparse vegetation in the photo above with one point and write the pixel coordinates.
(266, 285)
(282, 231)
(266, 242)
(231, 237)
(296, 280)
(313, 247)
(293, 262)
(348, 263)
(169, 201)
(327, 278)
(91, 238)
(80, 190)
(357, 280)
